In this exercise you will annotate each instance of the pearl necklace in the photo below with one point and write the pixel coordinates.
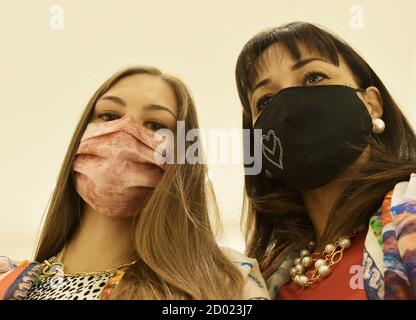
(331, 255)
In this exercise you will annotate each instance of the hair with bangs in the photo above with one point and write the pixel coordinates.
(275, 217)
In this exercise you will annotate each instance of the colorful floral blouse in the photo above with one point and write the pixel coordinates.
(389, 256)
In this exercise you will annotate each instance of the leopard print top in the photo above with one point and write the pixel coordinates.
(68, 287)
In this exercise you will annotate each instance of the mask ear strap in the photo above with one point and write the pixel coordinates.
(359, 90)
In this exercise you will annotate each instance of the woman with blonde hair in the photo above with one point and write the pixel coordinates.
(122, 224)
(332, 214)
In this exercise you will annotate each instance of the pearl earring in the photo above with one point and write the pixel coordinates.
(378, 126)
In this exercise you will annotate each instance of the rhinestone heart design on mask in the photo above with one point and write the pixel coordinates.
(269, 153)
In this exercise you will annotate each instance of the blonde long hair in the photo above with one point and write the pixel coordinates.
(173, 238)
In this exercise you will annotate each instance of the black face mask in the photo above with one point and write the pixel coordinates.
(308, 134)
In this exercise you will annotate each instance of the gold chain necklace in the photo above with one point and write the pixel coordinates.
(54, 266)
(322, 261)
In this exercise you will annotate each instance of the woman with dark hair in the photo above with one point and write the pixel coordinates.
(332, 215)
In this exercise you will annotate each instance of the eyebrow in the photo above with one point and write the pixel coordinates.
(151, 106)
(114, 99)
(158, 107)
(304, 62)
(296, 66)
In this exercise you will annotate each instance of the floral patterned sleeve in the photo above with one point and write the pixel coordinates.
(390, 247)
(255, 286)
(6, 266)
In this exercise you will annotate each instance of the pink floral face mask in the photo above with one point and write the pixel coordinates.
(115, 166)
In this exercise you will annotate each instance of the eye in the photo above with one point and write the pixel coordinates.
(263, 103)
(154, 126)
(108, 116)
(314, 77)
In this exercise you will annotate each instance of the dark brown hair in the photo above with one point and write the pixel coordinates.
(275, 216)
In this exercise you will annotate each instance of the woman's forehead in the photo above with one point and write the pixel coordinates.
(279, 55)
